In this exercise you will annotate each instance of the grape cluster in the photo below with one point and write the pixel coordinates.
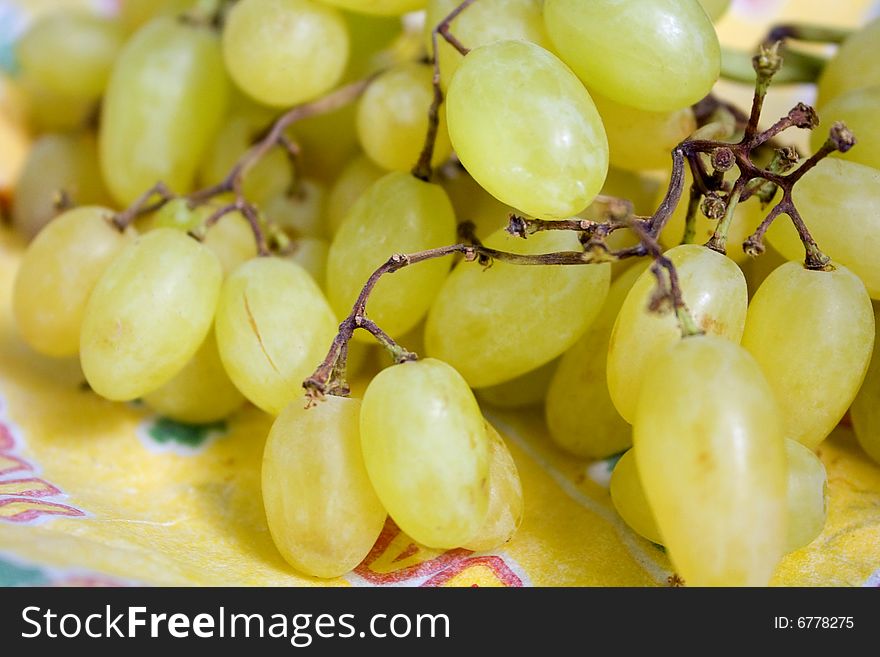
(198, 248)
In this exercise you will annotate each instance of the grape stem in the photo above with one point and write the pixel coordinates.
(423, 170)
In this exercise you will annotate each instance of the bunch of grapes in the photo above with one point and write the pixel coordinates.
(231, 200)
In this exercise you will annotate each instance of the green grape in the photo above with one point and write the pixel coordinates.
(746, 218)
(473, 203)
(628, 497)
(57, 165)
(70, 53)
(148, 314)
(355, 179)
(427, 452)
(506, 506)
(328, 142)
(709, 450)
(816, 364)
(547, 157)
(496, 324)
(715, 9)
(274, 327)
(656, 55)
(640, 140)
(529, 389)
(807, 496)
(840, 203)
(484, 22)
(300, 210)
(201, 392)
(323, 513)
(165, 101)
(392, 118)
(58, 272)
(135, 13)
(858, 109)
(285, 52)
(270, 176)
(865, 410)
(580, 383)
(311, 254)
(380, 7)
(398, 214)
(714, 290)
(370, 39)
(854, 66)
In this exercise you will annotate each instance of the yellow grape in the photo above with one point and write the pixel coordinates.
(392, 118)
(58, 272)
(427, 451)
(56, 164)
(380, 7)
(398, 214)
(323, 513)
(300, 209)
(285, 52)
(840, 203)
(640, 140)
(628, 497)
(148, 314)
(858, 109)
(709, 449)
(580, 415)
(812, 333)
(656, 55)
(506, 506)
(165, 100)
(484, 22)
(715, 9)
(274, 327)
(854, 66)
(714, 290)
(865, 410)
(311, 254)
(201, 392)
(356, 178)
(70, 53)
(807, 496)
(496, 324)
(528, 389)
(547, 157)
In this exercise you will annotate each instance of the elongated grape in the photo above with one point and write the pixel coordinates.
(165, 100)
(628, 497)
(148, 314)
(58, 272)
(528, 389)
(201, 392)
(58, 165)
(398, 214)
(807, 496)
(714, 290)
(580, 414)
(865, 410)
(285, 52)
(640, 140)
(427, 452)
(495, 324)
(709, 449)
(323, 513)
(70, 53)
(274, 327)
(854, 66)
(816, 364)
(858, 109)
(658, 56)
(547, 157)
(840, 203)
(355, 179)
(392, 118)
(506, 506)
(484, 22)
(381, 7)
